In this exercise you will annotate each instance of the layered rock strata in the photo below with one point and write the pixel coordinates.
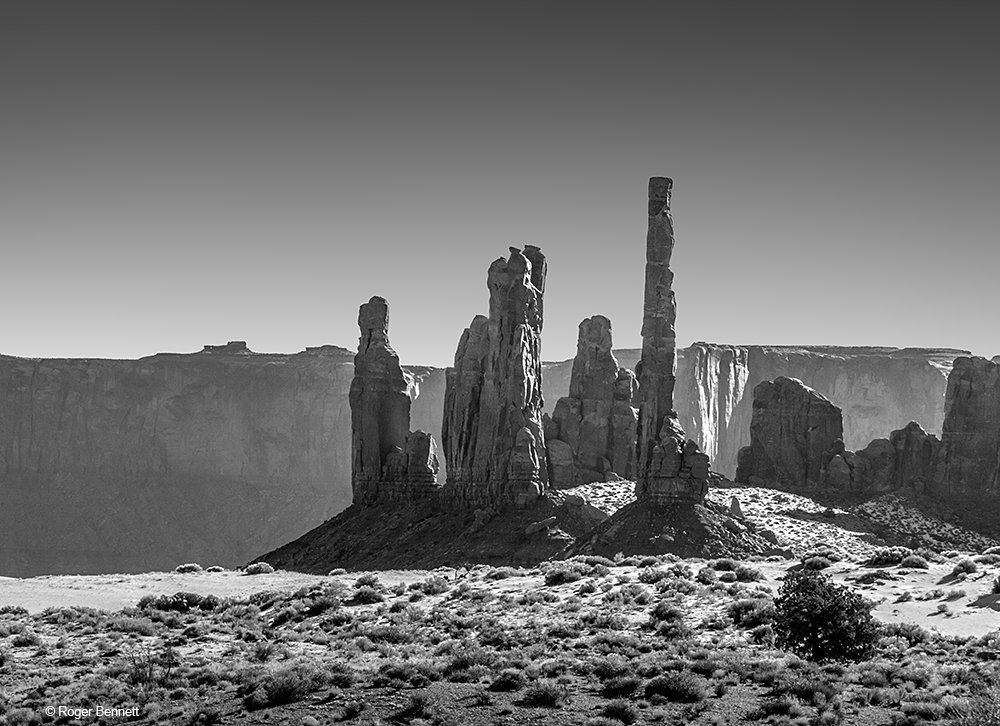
(492, 428)
(389, 462)
(591, 434)
(668, 469)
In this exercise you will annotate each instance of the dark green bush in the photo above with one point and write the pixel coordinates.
(820, 620)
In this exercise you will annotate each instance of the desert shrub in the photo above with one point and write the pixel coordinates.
(762, 635)
(366, 595)
(258, 568)
(180, 602)
(13, 610)
(707, 576)
(215, 568)
(923, 710)
(593, 560)
(564, 572)
(745, 573)
(995, 587)
(683, 687)
(621, 686)
(369, 580)
(263, 686)
(888, 556)
(666, 611)
(621, 711)
(915, 562)
(500, 573)
(125, 624)
(188, 567)
(964, 565)
(630, 594)
(652, 575)
(819, 620)
(724, 565)
(509, 679)
(26, 639)
(911, 632)
(816, 563)
(752, 612)
(433, 585)
(546, 694)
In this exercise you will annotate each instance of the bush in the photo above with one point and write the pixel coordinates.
(189, 567)
(750, 613)
(562, 574)
(510, 679)
(965, 565)
(263, 687)
(621, 711)
(621, 686)
(888, 556)
(180, 602)
(819, 620)
(915, 562)
(366, 595)
(547, 694)
(258, 568)
(683, 687)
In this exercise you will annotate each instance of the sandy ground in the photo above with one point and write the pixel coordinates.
(935, 598)
(114, 592)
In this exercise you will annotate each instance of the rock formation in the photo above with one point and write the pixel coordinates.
(492, 427)
(591, 434)
(796, 444)
(971, 436)
(793, 429)
(389, 462)
(138, 465)
(669, 469)
(878, 389)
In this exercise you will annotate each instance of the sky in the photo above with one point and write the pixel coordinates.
(175, 174)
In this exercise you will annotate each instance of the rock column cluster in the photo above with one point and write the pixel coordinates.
(796, 443)
(390, 463)
(591, 434)
(492, 428)
(669, 468)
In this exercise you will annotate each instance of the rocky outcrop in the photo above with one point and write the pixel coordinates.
(793, 430)
(797, 444)
(971, 436)
(492, 428)
(591, 434)
(669, 469)
(878, 389)
(137, 465)
(389, 463)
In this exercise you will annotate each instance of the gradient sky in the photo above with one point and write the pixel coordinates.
(180, 173)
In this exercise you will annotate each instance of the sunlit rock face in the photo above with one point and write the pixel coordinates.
(134, 465)
(492, 428)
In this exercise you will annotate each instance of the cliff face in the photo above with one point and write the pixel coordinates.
(878, 389)
(132, 465)
(971, 437)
